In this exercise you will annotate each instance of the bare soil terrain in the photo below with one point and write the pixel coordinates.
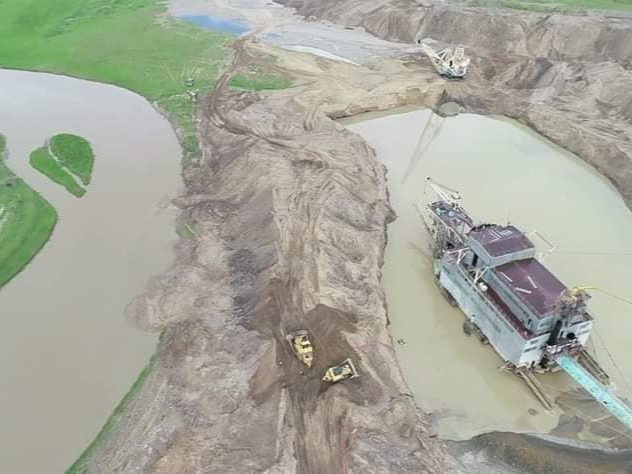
(568, 77)
(290, 213)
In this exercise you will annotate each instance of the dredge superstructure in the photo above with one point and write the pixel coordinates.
(512, 301)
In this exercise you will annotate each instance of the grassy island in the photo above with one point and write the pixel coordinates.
(42, 160)
(75, 154)
(27, 221)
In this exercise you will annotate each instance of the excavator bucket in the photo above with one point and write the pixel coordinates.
(343, 371)
(302, 347)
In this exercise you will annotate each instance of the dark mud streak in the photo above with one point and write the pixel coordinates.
(531, 454)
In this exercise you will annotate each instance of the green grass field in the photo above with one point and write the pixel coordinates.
(130, 43)
(44, 162)
(75, 154)
(557, 5)
(27, 221)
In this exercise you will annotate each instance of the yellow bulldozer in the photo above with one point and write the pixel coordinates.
(302, 347)
(343, 371)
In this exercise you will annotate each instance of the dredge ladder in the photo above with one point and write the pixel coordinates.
(604, 396)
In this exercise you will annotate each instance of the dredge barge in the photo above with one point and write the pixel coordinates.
(512, 301)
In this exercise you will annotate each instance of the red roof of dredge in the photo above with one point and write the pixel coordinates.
(533, 284)
(501, 240)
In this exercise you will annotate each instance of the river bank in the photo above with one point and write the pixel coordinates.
(26, 220)
(169, 63)
(291, 214)
(140, 48)
(511, 453)
(67, 356)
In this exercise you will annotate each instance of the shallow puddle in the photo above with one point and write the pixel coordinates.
(280, 26)
(67, 356)
(505, 173)
(233, 26)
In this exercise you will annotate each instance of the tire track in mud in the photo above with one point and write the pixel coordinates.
(317, 412)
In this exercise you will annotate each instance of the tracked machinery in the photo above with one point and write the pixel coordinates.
(301, 346)
(304, 351)
(343, 371)
(449, 62)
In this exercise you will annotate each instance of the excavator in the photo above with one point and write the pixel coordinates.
(343, 371)
(302, 347)
(449, 62)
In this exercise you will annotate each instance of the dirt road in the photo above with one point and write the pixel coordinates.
(290, 211)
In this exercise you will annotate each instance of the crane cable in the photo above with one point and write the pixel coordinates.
(616, 366)
(428, 135)
(612, 295)
(605, 348)
(616, 254)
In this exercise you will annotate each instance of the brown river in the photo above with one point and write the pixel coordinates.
(504, 172)
(67, 356)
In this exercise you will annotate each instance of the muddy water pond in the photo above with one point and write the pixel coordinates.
(67, 356)
(505, 172)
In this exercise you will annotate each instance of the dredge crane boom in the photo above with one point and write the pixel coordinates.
(443, 192)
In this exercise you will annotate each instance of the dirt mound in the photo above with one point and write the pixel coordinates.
(559, 37)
